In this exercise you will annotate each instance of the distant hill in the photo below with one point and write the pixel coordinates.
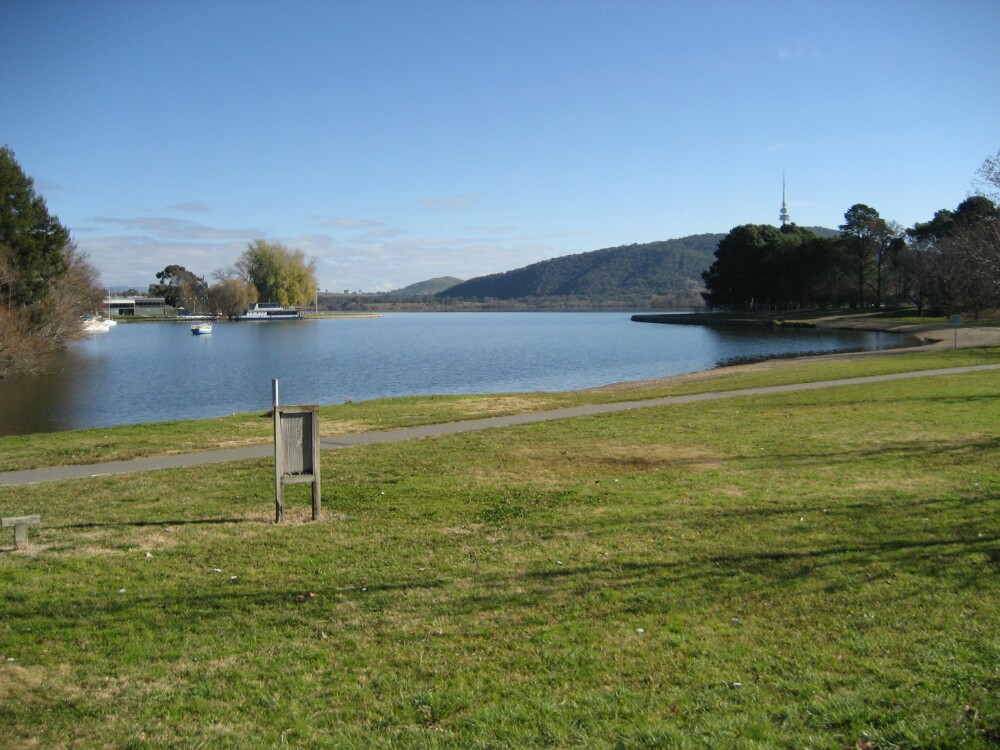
(670, 268)
(426, 288)
(824, 232)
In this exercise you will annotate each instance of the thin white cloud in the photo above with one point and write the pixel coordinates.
(369, 265)
(350, 223)
(490, 230)
(168, 228)
(190, 207)
(134, 260)
(563, 235)
(47, 186)
(457, 202)
(798, 51)
(131, 250)
(384, 233)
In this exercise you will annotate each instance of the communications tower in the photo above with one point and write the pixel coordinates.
(785, 218)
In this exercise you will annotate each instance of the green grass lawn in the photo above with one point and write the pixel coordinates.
(814, 570)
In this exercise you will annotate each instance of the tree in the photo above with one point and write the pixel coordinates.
(46, 284)
(917, 261)
(180, 288)
(231, 296)
(989, 177)
(957, 257)
(887, 237)
(758, 264)
(970, 256)
(278, 274)
(861, 224)
(34, 240)
(746, 267)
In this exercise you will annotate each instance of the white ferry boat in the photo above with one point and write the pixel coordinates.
(270, 311)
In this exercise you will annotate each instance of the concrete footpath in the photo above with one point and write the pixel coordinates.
(57, 473)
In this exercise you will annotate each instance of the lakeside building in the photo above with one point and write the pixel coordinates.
(137, 307)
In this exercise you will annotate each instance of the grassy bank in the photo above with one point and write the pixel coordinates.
(132, 441)
(808, 570)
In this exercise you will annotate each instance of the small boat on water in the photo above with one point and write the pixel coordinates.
(96, 324)
(200, 329)
(270, 311)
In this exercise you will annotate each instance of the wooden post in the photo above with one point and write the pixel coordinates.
(296, 453)
(279, 487)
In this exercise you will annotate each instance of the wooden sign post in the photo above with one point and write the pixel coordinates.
(296, 452)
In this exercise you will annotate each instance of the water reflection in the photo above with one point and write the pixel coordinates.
(159, 371)
(46, 403)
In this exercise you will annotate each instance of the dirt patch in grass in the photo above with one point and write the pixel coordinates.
(224, 444)
(19, 684)
(157, 541)
(493, 404)
(330, 428)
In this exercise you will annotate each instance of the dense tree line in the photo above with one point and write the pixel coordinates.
(46, 283)
(950, 263)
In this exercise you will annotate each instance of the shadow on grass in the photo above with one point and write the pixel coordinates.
(616, 587)
(185, 522)
(978, 399)
(923, 449)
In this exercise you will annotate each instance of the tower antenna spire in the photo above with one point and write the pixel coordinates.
(785, 218)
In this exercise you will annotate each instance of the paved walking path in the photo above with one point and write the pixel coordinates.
(32, 476)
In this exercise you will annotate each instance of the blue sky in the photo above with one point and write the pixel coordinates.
(398, 141)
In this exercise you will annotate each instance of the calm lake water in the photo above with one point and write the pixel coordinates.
(155, 372)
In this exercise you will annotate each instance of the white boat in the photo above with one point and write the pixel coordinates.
(95, 324)
(264, 311)
(199, 329)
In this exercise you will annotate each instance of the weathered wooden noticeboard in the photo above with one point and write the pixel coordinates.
(296, 453)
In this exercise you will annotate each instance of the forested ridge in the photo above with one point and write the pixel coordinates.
(670, 268)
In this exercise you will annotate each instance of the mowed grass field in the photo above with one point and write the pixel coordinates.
(810, 570)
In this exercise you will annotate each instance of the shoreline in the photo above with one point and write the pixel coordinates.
(932, 337)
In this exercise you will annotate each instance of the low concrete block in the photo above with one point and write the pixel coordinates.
(20, 524)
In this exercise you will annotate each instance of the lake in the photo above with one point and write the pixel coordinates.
(152, 372)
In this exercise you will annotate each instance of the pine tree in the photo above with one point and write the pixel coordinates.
(32, 241)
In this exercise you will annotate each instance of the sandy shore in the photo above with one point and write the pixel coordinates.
(934, 336)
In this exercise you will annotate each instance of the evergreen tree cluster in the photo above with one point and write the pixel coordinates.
(951, 263)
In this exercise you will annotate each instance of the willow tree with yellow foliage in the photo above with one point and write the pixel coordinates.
(278, 273)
